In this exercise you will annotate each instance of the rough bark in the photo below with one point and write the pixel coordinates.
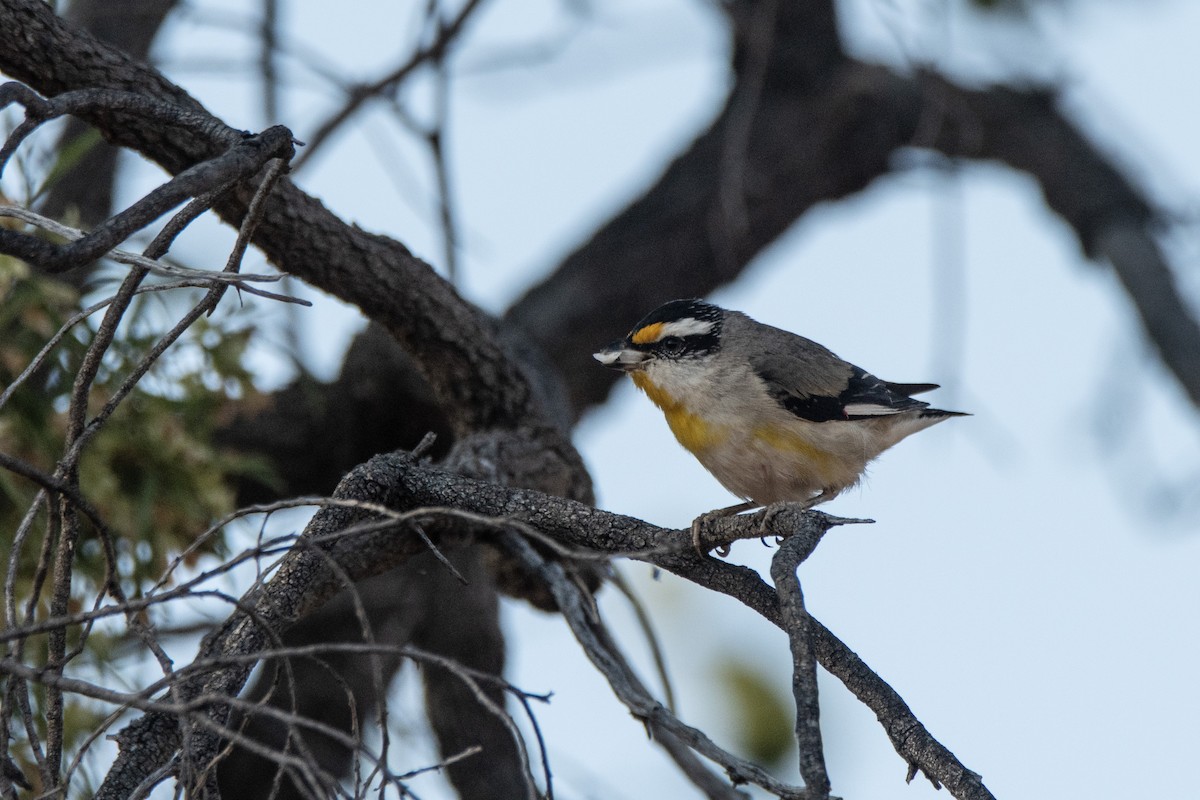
(420, 603)
(478, 383)
(85, 191)
(803, 124)
(804, 142)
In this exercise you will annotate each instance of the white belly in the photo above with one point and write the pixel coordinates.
(792, 466)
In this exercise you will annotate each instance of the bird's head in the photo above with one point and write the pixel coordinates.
(679, 332)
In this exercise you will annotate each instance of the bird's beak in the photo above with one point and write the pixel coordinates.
(618, 356)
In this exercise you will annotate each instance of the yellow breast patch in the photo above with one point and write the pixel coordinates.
(692, 432)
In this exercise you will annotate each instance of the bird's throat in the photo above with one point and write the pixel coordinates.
(692, 432)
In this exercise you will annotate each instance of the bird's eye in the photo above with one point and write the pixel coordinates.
(671, 345)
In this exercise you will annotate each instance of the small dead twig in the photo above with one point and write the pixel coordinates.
(360, 94)
(153, 265)
(243, 159)
(624, 683)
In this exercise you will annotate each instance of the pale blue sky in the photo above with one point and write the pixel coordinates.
(1018, 575)
(1025, 587)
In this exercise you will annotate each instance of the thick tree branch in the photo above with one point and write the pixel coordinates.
(458, 349)
(345, 544)
(86, 189)
(1026, 130)
(810, 142)
(243, 159)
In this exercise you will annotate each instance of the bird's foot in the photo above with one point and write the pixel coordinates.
(768, 516)
(699, 522)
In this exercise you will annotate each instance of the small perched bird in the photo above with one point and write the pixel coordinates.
(775, 417)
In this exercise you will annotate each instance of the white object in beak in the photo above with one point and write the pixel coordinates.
(607, 357)
(620, 358)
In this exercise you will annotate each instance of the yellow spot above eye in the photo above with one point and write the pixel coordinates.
(649, 333)
(690, 429)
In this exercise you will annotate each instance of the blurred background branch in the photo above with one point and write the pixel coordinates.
(802, 118)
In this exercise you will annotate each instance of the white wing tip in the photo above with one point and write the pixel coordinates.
(872, 410)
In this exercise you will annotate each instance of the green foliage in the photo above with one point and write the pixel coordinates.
(762, 721)
(67, 158)
(152, 470)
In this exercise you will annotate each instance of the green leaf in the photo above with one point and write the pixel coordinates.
(762, 717)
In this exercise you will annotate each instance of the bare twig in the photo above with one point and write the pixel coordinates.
(153, 265)
(435, 139)
(361, 93)
(242, 160)
(622, 680)
(804, 663)
(267, 55)
(643, 620)
(729, 227)
(275, 169)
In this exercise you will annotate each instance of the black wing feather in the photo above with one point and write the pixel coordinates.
(911, 388)
(862, 390)
(811, 382)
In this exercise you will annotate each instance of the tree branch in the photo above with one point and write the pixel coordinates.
(478, 382)
(799, 628)
(350, 544)
(86, 189)
(596, 643)
(808, 143)
(1111, 217)
(242, 160)
(360, 94)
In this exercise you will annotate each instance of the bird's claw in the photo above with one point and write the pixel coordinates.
(698, 524)
(766, 518)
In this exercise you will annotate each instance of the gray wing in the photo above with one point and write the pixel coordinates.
(814, 384)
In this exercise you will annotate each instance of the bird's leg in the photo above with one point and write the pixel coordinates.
(699, 522)
(766, 516)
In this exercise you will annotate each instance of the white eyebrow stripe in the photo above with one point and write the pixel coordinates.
(685, 327)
